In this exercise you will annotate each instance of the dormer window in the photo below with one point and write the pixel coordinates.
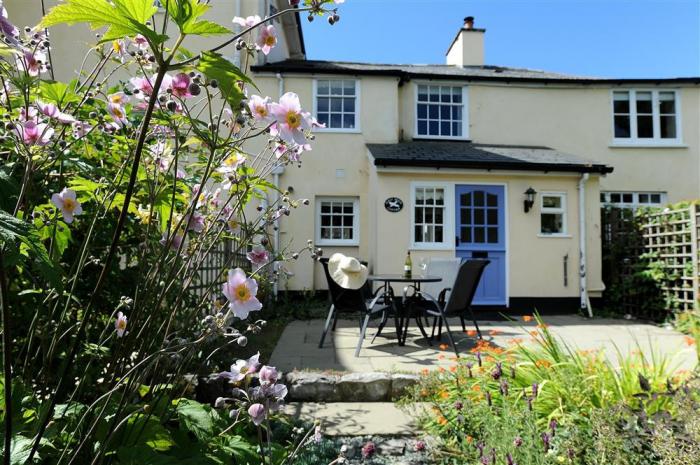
(441, 112)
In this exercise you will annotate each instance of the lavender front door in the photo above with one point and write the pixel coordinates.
(481, 234)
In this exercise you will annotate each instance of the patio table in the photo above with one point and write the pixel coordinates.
(401, 318)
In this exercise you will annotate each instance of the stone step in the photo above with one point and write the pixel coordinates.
(357, 418)
(309, 386)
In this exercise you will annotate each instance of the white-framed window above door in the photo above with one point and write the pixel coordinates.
(432, 209)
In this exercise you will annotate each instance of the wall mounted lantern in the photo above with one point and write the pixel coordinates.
(529, 198)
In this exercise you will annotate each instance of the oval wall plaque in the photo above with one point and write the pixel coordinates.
(393, 204)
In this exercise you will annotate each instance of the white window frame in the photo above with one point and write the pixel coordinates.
(448, 226)
(552, 210)
(465, 110)
(635, 199)
(355, 223)
(358, 100)
(633, 140)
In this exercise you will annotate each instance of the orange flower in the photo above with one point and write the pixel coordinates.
(515, 341)
(442, 420)
(425, 371)
(424, 393)
(543, 363)
(476, 388)
(495, 332)
(441, 357)
(444, 347)
(453, 368)
(543, 325)
(469, 439)
(689, 341)
(470, 332)
(441, 370)
(528, 318)
(534, 333)
(444, 394)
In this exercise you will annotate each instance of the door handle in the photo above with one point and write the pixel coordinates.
(457, 241)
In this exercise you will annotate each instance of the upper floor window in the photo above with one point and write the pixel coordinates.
(633, 199)
(440, 112)
(645, 115)
(337, 103)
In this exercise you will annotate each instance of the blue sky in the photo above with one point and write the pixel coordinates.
(611, 38)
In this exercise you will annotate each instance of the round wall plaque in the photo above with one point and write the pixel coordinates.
(393, 204)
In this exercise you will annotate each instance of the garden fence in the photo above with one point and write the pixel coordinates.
(213, 270)
(651, 260)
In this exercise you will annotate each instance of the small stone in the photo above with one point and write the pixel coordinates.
(392, 447)
(314, 387)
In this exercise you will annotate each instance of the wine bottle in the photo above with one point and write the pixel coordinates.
(408, 265)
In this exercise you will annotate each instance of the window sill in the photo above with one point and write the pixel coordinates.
(428, 247)
(462, 138)
(337, 130)
(647, 145)
(555, 236)
(337, 244)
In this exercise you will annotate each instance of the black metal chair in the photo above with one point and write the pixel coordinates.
(351, 300)
(458, 303)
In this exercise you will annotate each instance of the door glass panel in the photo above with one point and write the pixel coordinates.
(466, 235)
(491, 200)
(465, 216)
(478, 216)
(479, 235)
(466, 200)
(492, 216)
(479, 198)
(492, 236)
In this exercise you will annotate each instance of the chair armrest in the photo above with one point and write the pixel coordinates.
(441, 297)
(428, 298)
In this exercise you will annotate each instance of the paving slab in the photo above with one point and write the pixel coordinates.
(356, 418)
(298, 345)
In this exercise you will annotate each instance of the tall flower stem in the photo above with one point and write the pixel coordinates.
(7, 360)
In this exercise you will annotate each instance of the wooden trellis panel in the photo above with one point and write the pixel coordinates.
(672, 237)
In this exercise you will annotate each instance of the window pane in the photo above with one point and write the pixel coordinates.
(627, 197)
(419, 215)
(438, 234)
(668, 127)
(457, 95)
(423, 128)
(422, 111)
(336, 233)
(349, 121)
(445, 95)
(428, 234)
(492, 237)
(550, 201)
(428, 215)
(337, 104)
(445, 112)
(337, 220)
(433, 111)
(643, 198)
(667, 102)
(422, 93)
(445, 129)
(325, 233)
(420, 195)
(322, 104)
(479, 198)
(434, 94)
(644, 102)
(466, 235)
(552, 223)
(323, 118)
(645, 127)
(478, 216)
(615, 197)
(322, 87)
(349, 87)
(325, 207)
(655, 198)
(457, 113)
(438, 216)
(465, 216)
(439, 197)
(336, 120)
(491, 200)
(479, 235)
(622, 126)
(602, 197)
(492, 216)
(337, 87)
(434, 128)
(347, 208)
(621, 103)
(347, 233)
(417, 236)
(325, 220)
(349, 105)
(457, 129)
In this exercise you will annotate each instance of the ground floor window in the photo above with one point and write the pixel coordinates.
(633, 199)
(337, 220)
(553, 214)
(429, 215)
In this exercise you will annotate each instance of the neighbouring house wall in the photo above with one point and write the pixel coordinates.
(319, 175)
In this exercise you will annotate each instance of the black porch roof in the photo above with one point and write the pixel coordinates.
(467, 155)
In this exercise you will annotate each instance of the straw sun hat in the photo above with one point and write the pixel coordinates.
(348, 272)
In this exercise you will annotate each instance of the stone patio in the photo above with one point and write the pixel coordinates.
(298, 346)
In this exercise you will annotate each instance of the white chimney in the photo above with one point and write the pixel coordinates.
(467, 48)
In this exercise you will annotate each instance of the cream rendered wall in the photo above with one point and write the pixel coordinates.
(334, 151)
(535, 262)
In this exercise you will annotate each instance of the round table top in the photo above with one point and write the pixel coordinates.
(402, 278)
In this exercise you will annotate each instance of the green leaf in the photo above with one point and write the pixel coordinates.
(186, 14)
(14, 229)
(57, 92)
(20, 448)
(215, 66)
(204, 28)
(196, 418)
(122, 17)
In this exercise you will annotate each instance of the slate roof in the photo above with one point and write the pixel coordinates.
(467, 155)
(468, 73)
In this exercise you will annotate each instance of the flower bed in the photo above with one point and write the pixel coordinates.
(543, 402)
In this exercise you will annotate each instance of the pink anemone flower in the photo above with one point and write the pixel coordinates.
(120, 324)
(141, 42)
(248, 22)
(258, 256)
(33, 133)
(260, 108)
(241, 293)
(257, 413)
(118, 114)
(267, 39)
(33, 63)
(6, 27)
(241, 369)
(268, 375)
(67, 202)
(291, 120)
(180, 85)
(52, 111)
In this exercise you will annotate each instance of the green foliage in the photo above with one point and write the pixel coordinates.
(214, 66)
(123, 18)
(187, 13)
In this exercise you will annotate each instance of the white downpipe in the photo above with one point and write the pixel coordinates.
(276, 182)
(585, 301)
(237, 29)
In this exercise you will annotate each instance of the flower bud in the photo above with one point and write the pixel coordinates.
(195, 89)
(242, 341)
